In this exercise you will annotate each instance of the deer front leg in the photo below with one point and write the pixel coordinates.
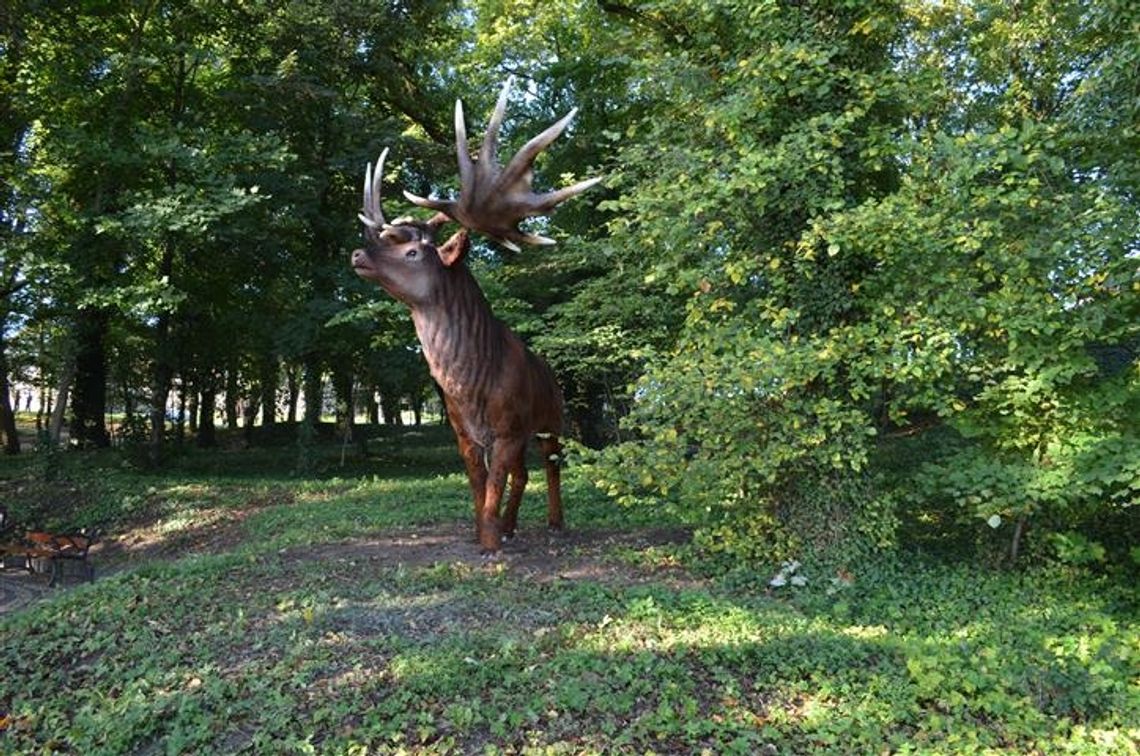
(551, 449)
(518, 487)
(476, 476)
(503, 458)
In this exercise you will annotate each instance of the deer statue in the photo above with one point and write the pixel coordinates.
(497, 393)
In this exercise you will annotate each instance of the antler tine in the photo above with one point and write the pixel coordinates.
(364, 205)
(466, 169)
(488, 155)
(537, 240)
(493, 200)
(377, 184)
(443, 206)
(373, 216)
(363, 215)
(544, 203)
(524, 158)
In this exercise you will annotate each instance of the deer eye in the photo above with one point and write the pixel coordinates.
(412, 254)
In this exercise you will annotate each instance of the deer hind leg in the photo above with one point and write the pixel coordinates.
(518, 487)
(551, 449)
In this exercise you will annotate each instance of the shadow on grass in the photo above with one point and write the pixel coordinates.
(220, 501)
(377, 450)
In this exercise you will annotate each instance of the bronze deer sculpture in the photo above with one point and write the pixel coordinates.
(498, 394)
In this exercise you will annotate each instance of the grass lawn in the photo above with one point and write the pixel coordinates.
(243, 610)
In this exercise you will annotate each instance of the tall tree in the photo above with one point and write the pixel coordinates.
(1030, 174)
(15, 124)
(764, 119)
(157, 124)
(887, 215)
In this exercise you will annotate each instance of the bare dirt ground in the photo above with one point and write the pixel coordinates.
(19, 588)
(534, 554)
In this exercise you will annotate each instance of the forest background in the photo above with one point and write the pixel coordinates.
(855, 266)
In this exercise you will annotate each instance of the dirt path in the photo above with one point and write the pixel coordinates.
(19, 588)
(535, 554)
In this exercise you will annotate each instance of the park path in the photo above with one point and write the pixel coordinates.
(19, 589)
(535, 554)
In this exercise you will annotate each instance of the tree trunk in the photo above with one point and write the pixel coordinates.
(313, 393)
(42, 412)
(184, 401)
(207, 436)
(128, 395)
(249, 416)
(442, 402)
(345, 411)
(159, 394)
(373, 408)
(1018, 532)
(63, 393)
(390, 405)
(418, 409)
(307, 429)
(7, 416)
(162, 375)
(193, 408)
(294, 394)
(269, 381)
(589, 417)
(232, 396)
(89, 396)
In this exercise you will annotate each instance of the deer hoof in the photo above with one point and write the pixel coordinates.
(490, 557)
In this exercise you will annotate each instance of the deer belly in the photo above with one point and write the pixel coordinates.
(485, 420)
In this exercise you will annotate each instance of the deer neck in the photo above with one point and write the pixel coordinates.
(461, 338)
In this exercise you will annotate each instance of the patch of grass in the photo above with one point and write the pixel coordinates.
(274, 656)
(264, 647)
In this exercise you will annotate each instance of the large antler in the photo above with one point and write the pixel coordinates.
(493, 200)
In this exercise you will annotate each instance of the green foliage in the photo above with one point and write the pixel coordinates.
(47, 457)
(1075, 481)
(749, 416)
(774, 471)
(893, 217)
(133, 437)
(1074, 548)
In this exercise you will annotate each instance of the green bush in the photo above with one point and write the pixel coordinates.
(1060, 458)
(134, 441)
(742, 433)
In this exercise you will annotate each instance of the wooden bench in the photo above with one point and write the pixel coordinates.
(57, 548)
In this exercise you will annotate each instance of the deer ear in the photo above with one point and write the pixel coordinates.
(455, 249)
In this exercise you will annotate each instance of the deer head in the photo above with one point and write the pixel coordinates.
(492, 200)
